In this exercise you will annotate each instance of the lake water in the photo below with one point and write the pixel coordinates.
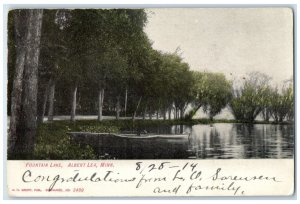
(216, 141)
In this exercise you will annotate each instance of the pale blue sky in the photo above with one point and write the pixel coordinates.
(227, 40)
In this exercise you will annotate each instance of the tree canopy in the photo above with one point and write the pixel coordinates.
(101, 60)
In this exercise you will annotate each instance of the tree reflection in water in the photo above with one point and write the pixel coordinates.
(217, 141)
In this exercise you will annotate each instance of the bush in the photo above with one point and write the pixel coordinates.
(53, 142)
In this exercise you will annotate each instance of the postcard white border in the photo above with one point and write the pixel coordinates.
(218, 3)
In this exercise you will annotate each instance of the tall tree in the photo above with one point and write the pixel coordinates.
(20, 19)
(248, 101)
(52, 58)
(23, 113)
(282, 104)
(217, 93)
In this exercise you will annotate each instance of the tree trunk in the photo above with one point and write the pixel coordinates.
(164, 114)
(281, 119)
(144, 114)
(175, 113)
(100, 104)
(21, 37)
(51, 100)
(109, 105)
(73, 110)
(125, 106)
(181, 113)
(118, 108)
(196, 110)
(275, 116)
(24, 138)
(137, 107)
(157, 115)
(181, 129)
(43, 104)
(170, 112)
(267, 115)
(150, 113)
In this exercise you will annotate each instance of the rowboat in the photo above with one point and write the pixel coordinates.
(151, 136)
(134, 135)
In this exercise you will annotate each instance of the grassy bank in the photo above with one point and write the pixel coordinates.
(53, 141)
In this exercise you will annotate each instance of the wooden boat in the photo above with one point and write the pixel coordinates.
(134, 135)
(151, 136)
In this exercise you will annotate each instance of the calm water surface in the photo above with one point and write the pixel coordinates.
(217, 141)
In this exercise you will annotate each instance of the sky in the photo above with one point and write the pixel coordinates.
(232, 41)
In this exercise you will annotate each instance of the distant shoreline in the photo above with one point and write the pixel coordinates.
(154, 121)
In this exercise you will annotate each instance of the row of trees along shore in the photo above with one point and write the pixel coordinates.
(66, 62)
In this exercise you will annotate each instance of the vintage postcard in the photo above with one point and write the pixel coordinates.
(150, 102)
